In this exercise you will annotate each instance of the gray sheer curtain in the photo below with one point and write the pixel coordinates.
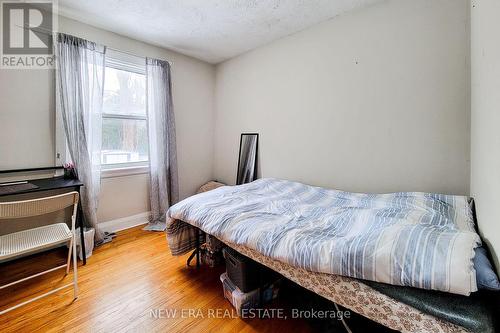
(79, 92)
(164, 188)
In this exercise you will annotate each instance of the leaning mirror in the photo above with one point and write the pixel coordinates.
(247, 161)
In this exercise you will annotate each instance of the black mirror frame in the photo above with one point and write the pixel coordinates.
(256, 156)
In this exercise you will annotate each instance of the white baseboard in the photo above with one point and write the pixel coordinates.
(125, 222)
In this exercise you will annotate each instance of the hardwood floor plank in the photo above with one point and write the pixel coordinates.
(123, 282)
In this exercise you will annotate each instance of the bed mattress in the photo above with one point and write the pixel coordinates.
(422, 240)
(400, 308)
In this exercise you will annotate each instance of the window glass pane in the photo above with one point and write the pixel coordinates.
(124, 92)
(124, 141)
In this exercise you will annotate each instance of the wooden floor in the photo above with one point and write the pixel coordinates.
(123, 282)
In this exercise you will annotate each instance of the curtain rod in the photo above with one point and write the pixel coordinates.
(48, 32)
(133, 54)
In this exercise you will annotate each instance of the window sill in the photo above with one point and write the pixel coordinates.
(125, 171)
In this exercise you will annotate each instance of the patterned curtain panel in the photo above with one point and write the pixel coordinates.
(79, 93)
(164, 189)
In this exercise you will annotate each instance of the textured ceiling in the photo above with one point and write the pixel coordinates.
(211, 30)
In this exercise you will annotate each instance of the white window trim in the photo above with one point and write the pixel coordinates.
(118, 60)
(124, 170)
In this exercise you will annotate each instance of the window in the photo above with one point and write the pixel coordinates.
(124, 123)
(124, 149)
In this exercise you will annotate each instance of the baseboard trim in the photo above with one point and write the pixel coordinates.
(125, 222)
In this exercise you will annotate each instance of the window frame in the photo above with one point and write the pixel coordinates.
(114, 59)
(133, 64)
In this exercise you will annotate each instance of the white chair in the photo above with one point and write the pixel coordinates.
(35, 240)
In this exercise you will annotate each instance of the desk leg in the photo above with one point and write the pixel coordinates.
(82, 237)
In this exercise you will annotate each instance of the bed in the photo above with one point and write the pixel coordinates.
(337, 243)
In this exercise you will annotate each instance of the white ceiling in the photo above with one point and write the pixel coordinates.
(210, 30)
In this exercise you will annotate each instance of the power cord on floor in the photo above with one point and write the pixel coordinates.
(342, 319)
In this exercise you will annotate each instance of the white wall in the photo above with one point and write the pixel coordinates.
(485, 112)
(374, 100)
(27, 121)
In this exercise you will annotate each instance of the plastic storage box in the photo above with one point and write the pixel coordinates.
(245, 273)
(249, 300)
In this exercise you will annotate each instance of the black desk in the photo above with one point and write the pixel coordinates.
(57, 183)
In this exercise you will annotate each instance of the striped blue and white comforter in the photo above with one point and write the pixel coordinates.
(413, 239)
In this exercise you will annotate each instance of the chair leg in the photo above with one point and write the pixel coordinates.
(75, 269)
(68, 262)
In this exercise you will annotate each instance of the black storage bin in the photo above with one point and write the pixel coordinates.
(245, 273)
